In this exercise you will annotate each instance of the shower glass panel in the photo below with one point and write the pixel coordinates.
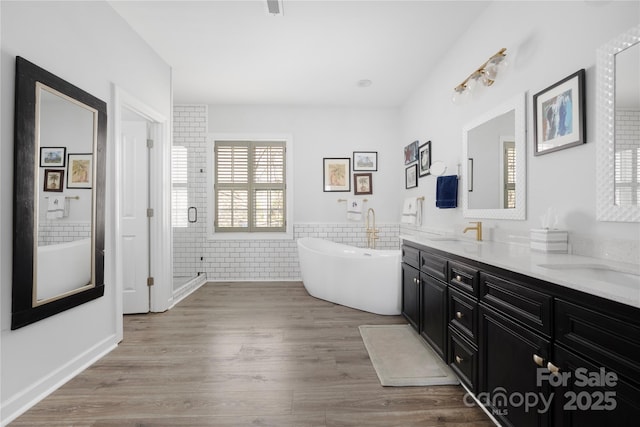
(188, 224)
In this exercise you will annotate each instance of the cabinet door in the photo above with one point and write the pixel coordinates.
(434, 313)
(508, 370)
(588, 396)
(410, 295)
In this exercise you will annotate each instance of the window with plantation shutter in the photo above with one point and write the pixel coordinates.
(250, 186)
(509, 175)
(627, 176)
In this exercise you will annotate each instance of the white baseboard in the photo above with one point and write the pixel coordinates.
(187, 289)
(18, 404)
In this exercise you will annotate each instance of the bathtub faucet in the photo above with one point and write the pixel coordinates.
(372, 231)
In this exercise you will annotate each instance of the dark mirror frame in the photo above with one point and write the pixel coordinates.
(22, 311)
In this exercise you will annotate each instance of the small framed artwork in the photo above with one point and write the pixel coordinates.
(362, 183)
(559, 115)
(336, 174)
(411, 153)
(411, 176)
(365, 161)
(80, 171)
(53, 179)
(52, 157)
(424, 165)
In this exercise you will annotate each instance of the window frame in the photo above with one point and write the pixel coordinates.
(212, 234)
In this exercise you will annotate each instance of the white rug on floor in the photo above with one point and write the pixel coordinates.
(401, 358)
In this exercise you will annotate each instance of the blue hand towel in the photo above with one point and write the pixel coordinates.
(447, 191)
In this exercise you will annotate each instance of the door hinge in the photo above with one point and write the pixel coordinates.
(149, 143)
(149, 212)
(150, 281)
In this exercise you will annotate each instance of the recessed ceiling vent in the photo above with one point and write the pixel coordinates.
(274, 7)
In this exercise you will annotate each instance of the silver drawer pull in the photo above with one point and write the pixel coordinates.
(459, 360)
(459, 315)
(459, 278)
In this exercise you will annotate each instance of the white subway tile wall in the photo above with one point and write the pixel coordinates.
(237, 260)
(55, 232)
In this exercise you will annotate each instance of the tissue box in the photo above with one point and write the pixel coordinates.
(544, 240)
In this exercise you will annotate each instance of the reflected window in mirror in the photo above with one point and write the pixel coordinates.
(59, 180)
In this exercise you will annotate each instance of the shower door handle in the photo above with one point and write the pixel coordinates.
(192, 214)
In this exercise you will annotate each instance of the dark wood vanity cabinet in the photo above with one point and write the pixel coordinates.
(515, 342)
(462, 322)
(508, 355)
(597, 347)
(529, 350)
(424, 295)
(433, 301)
(433, 315)
(411, 295)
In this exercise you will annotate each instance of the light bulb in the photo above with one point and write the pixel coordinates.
(461, 95)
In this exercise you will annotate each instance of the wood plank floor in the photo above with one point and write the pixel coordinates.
(255, 354)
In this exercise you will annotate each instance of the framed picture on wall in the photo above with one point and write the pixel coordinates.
(80, 170)
(336, 174)
(411, 176)
(559, 115)
(411, 153)
(52, 157)
(53, 179)
(424, 165)
(362, 183)
(365, 161)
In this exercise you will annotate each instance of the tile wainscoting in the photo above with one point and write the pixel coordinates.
(260, 260)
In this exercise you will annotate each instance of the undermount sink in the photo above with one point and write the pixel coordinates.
(599, 272)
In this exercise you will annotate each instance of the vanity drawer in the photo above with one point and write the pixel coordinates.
(463, 278)
(411, 256)
(603, 337)
(530, 307)
(463, 314)
(434, 265)
(463, 358)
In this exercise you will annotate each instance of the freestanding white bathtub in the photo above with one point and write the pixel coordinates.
(366, 279)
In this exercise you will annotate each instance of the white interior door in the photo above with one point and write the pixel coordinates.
(134, 222)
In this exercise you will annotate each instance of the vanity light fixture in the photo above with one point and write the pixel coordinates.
(485, 74)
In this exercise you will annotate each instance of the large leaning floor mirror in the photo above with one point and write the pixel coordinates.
(59, 193)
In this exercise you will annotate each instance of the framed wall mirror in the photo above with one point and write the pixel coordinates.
(494, 149)
(618, 145)
(59, 193)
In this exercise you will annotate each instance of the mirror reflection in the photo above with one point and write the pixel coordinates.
(627, 123)
(65, 139)
(494, 169)
(491, 154)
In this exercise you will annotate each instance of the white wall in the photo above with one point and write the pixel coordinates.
(89, 45)
(327, 132)
(546, 42)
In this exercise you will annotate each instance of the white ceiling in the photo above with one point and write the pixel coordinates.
(234, 52)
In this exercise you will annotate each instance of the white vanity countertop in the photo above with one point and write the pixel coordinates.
(608, 279)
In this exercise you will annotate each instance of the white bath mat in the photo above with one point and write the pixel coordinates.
(401, 358)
